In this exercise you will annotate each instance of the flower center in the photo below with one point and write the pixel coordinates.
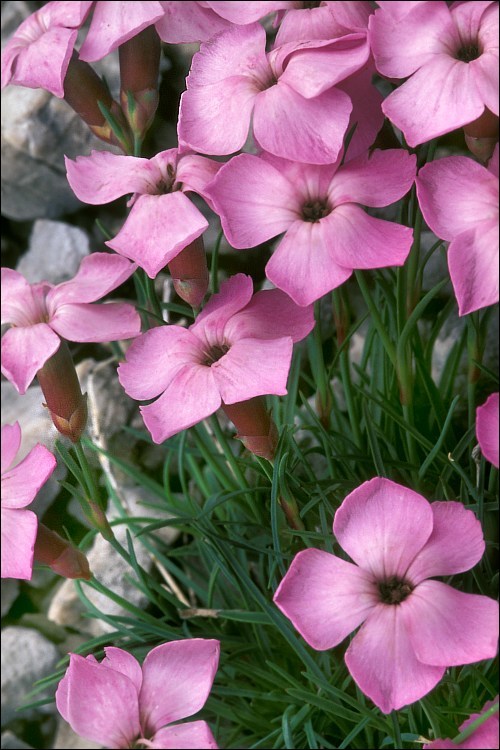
(394, 590)
(468, 52)
(315, 210)
(215, 353)
(311, 4)
(167, 183)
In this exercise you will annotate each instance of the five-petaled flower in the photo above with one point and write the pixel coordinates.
(412, 628)
(459, 201)
(120, 704)
(239, 348)
(327, 234)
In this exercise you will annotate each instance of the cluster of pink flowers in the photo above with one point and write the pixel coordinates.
(310, 118)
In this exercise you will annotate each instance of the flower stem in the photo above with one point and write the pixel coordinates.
(398, 742)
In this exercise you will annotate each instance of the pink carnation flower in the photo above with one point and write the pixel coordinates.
(162, 221)
(327, 234)
(38, 54)
(20, 485)
(487, 429)
(41, 314)
(484, 737)
(448, 54)
(120, 704)
(289, 94)
(239, 348)
(412, 628)
(459, 201)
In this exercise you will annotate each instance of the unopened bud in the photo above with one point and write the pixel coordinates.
(256, 429)
(61, 557)
(189, 273)
(83, 90)
(63, 396)
(139, 69)
(481, 136)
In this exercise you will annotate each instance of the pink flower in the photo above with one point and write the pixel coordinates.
(412, 628)
(450, 57)
(245, 13)
(328, 20)
(38, 54)
(289, 94)
(120, 704)
(459, 201)
(163, 221)
(20, 484)
(41, 314)
(327, 234)
(239, 348)
(114, 24)
(484, 737)
(487, 428)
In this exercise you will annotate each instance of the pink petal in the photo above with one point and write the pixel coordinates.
(308, 130)
(324, 22)
(113, 24)
(18, 303)
(99, 703)
(18, 543)
(376, 180)
(194, 734)
(235, 293)
(243, 13)
(449, 204)
(99, 274)
(485, 74)
(123, 662)
(487, 428)
(203, 108)
(382, 661)
(190, 397)
(113, 321)
(485, 736)
(253, 367)
(103, 177)
(43, 63)
(493, 163)
(358, 240)
(255, 202)
(473, 264)
(325, 597)
(455, 545)
(21, 484)
(447, 627)
(154, 359)
(303, 264)
(382, 526)
(196, 172)
(188, 22)
(318, 65)
(271, 314)
(366, 112)
(182, 672)
(437, 99)
(9, 444)
(428, 25)
(25, 351)
(172, 222)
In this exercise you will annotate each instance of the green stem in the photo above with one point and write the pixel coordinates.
(398, 742)
(475, 724)
(377, 320)
(92, 507)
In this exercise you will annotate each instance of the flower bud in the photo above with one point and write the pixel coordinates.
(256, 429)
(481, 136)
(139, 68)
(83, 90)
(61, 557)
(61, 389)
(189, 273)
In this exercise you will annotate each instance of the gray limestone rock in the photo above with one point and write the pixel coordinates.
(55, 252)
(26, 657)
